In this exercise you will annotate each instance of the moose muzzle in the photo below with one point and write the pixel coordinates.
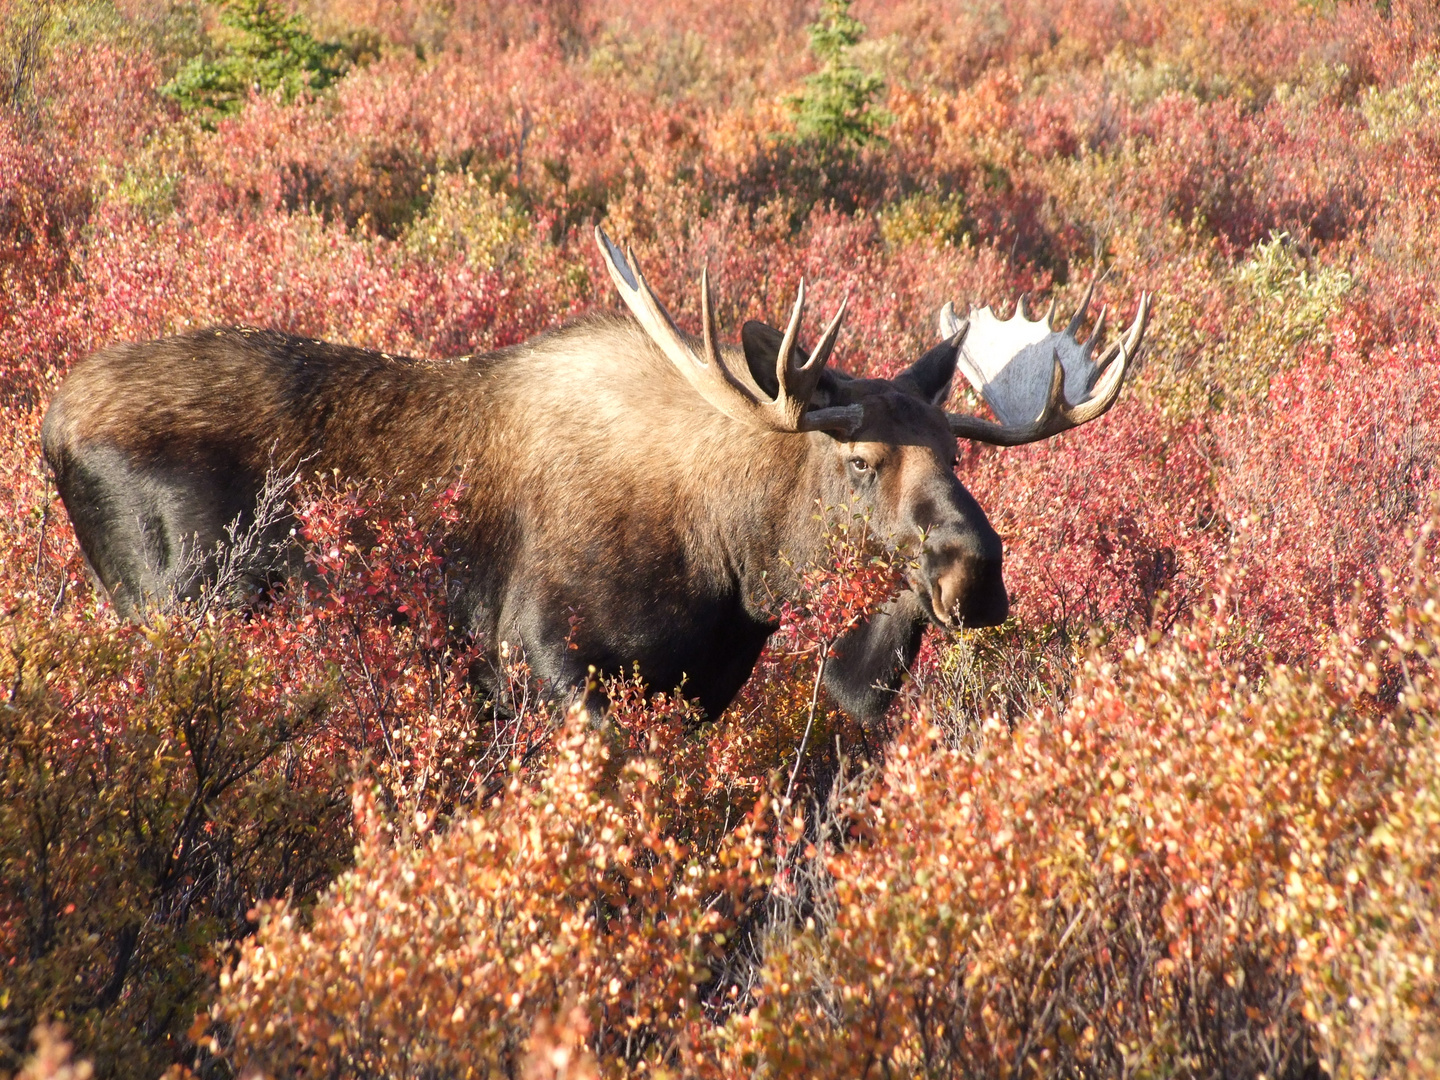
(963, 580)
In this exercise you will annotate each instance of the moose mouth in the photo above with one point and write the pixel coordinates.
(984, 604)
(960, 580)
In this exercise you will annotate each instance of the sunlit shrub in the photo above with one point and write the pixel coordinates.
(925, 218)
(466, 220)
(155, 783)
(1145, 880)
(52, 1058)
(157, 780)
(445, 956)
(1367, 947)
(1321, 481)
(1293, 302)
(1392, 111)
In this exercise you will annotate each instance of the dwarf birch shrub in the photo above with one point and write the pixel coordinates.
(153, 785)
(1184, 868)
(442, 957)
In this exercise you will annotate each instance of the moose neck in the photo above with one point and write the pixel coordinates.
(778, 513)
(645, 459)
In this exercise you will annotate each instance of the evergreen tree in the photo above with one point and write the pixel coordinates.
(267, 49)
(836, 111)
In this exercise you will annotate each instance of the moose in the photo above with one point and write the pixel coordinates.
(660, 486)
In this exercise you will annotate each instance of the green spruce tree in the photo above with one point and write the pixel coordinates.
(267, 49)
(837, 110)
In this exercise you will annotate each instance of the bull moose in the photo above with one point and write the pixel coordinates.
(657, 484)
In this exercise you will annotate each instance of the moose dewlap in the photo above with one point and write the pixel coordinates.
(658, 486)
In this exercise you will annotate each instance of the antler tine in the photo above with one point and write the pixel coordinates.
(707, 374)
(710, 375)
(797, 382)
(1057, 415)
(1055, 403)
(1130, 343)
(785, 366)
(821, 356)
(842, 419)
(950, 322)
(1098, 332)
(1105, 393)
(1080, 312)
(1050, 314)
(707, 318)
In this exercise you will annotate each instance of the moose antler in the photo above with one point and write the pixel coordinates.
(711, 376)
(1029, 373)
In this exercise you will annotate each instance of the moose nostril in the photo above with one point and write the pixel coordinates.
(941, 601)
(947, 592)
(970, 592)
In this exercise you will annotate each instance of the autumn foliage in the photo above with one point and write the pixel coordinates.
(1179, 816)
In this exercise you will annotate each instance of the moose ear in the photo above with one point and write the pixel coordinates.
(761, 342)
(762, 346)
(931, 376)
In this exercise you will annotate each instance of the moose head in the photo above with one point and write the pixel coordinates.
(888, 444)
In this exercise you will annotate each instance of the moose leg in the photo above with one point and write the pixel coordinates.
(871, 659)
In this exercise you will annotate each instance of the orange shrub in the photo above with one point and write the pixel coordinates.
(1184, 869)
(51, 1059)
(1368, 949)
(442, 957)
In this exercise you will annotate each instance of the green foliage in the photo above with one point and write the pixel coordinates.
(265, 50)
(23, 27)
(836, 111)
(1393, 111)
(466, 219)
(1280, 301)
(927, 219)
(1289, 300)
(1278, 275)
(670, 66)
(172, 33)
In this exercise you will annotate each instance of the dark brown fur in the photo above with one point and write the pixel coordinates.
(597, 484)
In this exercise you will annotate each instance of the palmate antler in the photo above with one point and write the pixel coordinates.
(711, 376)
(1029, 373)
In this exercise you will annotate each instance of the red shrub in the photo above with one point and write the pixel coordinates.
(1275, 445)
(1321, 483)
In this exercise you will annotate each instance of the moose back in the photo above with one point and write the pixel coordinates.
(657, 485)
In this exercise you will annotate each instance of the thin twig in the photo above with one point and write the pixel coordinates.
(810, 721)
(40, 543)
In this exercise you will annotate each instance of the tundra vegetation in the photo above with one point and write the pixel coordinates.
(1179, 815)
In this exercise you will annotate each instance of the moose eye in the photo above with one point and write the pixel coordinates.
(859, 464)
